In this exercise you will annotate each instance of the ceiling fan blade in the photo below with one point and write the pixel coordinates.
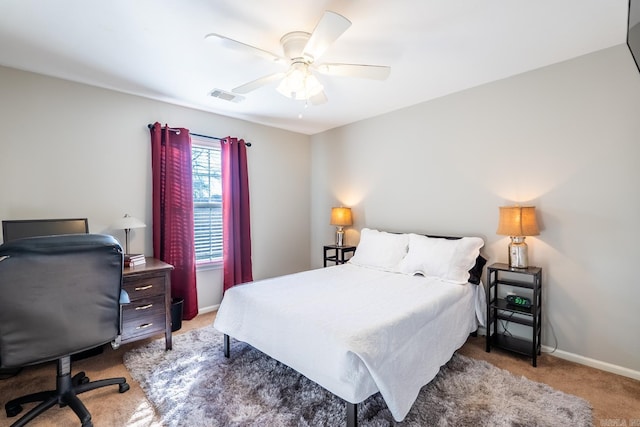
(243, 47)
(258, 83)
(319, 98)
(375, 72)
(330, 27)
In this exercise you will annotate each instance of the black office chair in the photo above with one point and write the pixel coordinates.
(59, 295)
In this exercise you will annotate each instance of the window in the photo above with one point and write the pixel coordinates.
(207, 200)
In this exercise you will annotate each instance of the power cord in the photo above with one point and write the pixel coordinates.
(505, 325)
(555, 338)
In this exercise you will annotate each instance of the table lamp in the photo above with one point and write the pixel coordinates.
(340, 217)
(517, 222)
(126, 223)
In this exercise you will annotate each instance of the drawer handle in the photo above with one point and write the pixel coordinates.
(144, 326)
(144, 307)
(143, 288)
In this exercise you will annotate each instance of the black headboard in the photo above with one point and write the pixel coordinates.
(19, 229)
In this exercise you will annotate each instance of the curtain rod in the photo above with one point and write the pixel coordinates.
(248, 144)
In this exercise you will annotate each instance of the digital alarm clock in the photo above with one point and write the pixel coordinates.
(518, 301)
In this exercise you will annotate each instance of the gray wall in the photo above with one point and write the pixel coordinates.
(565, 138)
(71, 150)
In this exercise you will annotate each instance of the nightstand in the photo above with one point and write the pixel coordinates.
(339, 253)
(503, 280)
(149, 312)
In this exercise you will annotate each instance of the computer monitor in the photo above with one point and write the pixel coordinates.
(18, 229)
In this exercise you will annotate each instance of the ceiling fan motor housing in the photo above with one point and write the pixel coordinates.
(293, 45)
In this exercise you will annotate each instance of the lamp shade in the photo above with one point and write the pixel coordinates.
(341, 217)
(518, 221)
(128, 222)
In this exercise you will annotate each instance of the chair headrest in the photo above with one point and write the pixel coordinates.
(59, 244)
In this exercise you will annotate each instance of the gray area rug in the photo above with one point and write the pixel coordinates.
(195, 385)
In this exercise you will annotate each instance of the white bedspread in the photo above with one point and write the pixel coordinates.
(354, 330)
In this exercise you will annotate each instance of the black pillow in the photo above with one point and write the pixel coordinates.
(476, 272)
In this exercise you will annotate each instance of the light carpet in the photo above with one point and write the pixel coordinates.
(195, 385)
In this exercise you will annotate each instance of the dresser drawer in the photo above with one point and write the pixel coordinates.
(145, 316)
(144, 287)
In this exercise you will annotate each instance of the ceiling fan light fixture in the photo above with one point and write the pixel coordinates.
(299, 83)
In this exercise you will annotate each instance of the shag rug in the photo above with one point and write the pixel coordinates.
(195, 385)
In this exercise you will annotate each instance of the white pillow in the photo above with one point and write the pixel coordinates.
(447, 259)
(380, 250)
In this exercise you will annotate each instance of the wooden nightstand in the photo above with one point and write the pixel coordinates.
(149, 312)
(339, 253)
(525, 282)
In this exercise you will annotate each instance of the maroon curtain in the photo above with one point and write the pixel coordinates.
(236, 229)
(173, 232)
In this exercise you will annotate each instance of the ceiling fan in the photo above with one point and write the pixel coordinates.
(301, 51)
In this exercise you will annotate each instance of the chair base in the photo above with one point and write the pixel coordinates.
(65, 394)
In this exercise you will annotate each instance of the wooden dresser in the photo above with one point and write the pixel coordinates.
(149, 313)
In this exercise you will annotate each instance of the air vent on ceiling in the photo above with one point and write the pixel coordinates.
(227, 96)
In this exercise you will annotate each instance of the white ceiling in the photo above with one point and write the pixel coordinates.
(156, 48)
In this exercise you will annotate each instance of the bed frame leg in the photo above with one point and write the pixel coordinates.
(352, 414)
(226, 346)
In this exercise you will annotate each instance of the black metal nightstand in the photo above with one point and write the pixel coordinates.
(339, 253)
(528, 281)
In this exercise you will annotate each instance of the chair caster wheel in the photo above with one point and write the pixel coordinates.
(123, 387)
(13, 410)
(87, 424)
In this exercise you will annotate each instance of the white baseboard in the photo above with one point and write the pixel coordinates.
(209, 309)
(603, 366)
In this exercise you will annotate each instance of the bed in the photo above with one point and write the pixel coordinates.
(385, 322)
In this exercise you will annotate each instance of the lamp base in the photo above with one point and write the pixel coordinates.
(126, 240)
(518, 253)
(340, 237)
